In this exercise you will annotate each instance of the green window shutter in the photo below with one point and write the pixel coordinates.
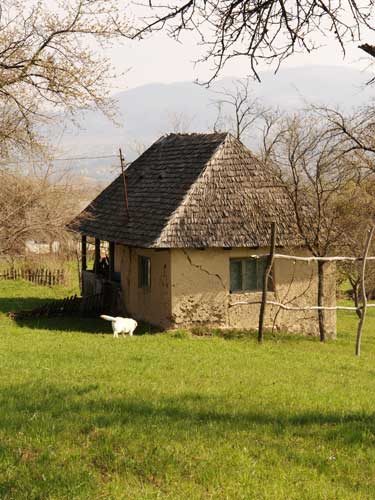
(235, 275)
(250, 274)
(148, 273)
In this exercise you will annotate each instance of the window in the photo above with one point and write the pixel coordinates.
(246, 275)
(144, 272)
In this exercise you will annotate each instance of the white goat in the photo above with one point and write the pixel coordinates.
(121, 325)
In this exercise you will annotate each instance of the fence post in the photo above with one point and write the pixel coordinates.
(40, 276)
(270, 260)
(111, 260)
(363, 291)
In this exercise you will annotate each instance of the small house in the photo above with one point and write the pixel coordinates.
(183, 226)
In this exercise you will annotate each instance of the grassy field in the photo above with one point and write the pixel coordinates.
(83, 416)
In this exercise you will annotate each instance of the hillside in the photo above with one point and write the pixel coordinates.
(149, 111)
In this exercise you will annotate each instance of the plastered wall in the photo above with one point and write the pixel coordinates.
(148, 304)
(200, 292)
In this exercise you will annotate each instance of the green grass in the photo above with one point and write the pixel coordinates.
(83, 416)
(50, 262)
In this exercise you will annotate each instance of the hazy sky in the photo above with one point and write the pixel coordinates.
(161, 59)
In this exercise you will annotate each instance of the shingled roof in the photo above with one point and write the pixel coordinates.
(192, 191)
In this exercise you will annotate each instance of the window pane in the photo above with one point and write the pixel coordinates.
(144, 272)
(235, 275)
(250, 275)
(148, 273)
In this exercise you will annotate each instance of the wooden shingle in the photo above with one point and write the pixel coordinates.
(192, 191)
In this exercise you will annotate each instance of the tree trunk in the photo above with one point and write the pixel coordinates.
(267, 272)
(322, 329)
(363, 293)
(355, 288)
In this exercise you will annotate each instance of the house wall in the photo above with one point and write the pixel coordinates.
(32, 246)
(147, 304)
(200, 292)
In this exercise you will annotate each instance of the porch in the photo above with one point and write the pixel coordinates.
(102, 278)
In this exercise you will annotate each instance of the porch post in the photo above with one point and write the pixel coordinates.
(97, 255)
(111, 260)
(83, 258)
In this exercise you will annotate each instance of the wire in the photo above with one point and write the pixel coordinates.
(74, 158)
(85, 158)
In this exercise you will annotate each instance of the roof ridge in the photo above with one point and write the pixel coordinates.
(194, 133)
(187, 195)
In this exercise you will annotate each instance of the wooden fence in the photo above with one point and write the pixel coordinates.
(40, 276)
(272, 255)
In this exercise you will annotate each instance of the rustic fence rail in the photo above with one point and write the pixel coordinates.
(41, 276)
(272, 255)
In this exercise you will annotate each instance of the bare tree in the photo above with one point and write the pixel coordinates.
(137, 147)
(356, 132)
(47, 65)
(311, 167)
(274, 126)
(268, 30)
(356, 205)
(369, 49)
(178, 122)
(37, 206)
(237, 109)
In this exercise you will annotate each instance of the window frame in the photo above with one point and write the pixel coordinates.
(144, 272)
(258, 278)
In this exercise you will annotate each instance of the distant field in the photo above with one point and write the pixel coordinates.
(83, 416)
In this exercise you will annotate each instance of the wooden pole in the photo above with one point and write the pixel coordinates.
(364, 296)
(270, 260)
(84, 258)
(84, 252)
(321, 315)
(122, 161)
(111, 260)
(97, 255)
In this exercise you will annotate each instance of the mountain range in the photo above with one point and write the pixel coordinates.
(148, 111)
